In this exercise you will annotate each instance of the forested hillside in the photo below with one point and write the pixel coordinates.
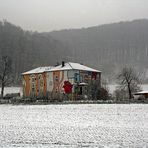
(28, 49)
(109, 47)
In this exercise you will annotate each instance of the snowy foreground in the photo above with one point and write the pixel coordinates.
(74, 126)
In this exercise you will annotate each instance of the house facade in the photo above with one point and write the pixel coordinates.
(70, 79)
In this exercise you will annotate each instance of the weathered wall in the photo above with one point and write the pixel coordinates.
(55, 80)
(34, 85)
(51, 83)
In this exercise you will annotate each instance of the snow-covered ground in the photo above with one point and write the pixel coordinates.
(9, 90)
(112, 87)
(97, 125)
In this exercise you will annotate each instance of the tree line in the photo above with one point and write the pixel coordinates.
(128, 80)
(109, 47)
(28, 49)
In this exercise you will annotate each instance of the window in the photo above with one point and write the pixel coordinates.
(40, 76)
(77, 77)
(33, 79)
(56, 78)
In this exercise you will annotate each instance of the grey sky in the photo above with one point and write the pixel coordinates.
(48, 15)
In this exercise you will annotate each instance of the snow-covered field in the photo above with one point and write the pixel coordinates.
(97, 125)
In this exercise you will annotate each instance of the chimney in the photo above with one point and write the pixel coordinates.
(63, 63)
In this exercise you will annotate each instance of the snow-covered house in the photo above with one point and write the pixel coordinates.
(34, 82)
(69, 78)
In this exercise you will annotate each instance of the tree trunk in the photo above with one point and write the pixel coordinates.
(129, 91)
(2, 91)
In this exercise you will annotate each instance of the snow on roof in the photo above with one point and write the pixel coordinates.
(141, 92)
(83, 83)
(38, 70)
(75, 66)
(67, 66)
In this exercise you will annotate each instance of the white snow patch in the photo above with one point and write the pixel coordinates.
(101, 125)
(112, 87)
(9, 90)
(74, 66)
(67, 66)
(38, 70)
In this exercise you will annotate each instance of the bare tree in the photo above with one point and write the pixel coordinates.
(129, 80)
(5, 73)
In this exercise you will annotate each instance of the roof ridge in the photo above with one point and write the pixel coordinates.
(70, 65)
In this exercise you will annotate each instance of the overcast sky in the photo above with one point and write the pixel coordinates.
(48, 15)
